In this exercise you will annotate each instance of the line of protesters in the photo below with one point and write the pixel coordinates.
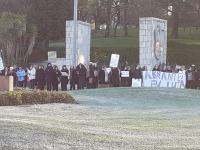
(81, 77)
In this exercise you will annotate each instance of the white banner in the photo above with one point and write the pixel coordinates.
(1, 64)
(125, 74)
(114, 60)
(164, 79)
(136, 82)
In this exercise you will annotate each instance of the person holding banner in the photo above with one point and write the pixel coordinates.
(125, 77)
(115, 77)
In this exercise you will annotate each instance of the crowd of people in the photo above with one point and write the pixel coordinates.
(91, 76)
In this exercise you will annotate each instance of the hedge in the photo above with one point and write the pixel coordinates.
(20, 97)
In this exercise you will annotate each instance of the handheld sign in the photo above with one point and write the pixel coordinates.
(136, 83)
(125, 74)
(114, 60)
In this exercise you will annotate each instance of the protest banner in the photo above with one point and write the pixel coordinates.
(164, 79)
(114, 61)
(136, 83)
(1, 64)
(125, 74)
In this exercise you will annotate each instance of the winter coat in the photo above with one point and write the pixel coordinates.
(49, 74)
(32, 74)
(21, 75)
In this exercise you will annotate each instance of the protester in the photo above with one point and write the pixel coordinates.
(49, 76)
(64, 78)
(81, 73)
(73, 78)
(40, 78)
(56, 75)
(32, 77)
(21, 77)
(115, 77)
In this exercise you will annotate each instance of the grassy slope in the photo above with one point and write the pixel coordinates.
(184, 50)
(118, 119)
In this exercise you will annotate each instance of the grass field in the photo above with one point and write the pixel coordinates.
(184, 50)
(105, 119)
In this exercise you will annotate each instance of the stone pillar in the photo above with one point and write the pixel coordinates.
(82, 52)
(6, 83)
(153, 42)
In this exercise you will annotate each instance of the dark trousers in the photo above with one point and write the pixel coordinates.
(20, 83)
(49, 85)
(32, 84)
(64, 82)
(72, 84)
(55, 86)
(40, 85)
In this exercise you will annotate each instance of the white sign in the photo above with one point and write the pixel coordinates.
(114, 60)
(125, 74)
(164, 79)
(136, 82)
(1, 64)
(108, 70)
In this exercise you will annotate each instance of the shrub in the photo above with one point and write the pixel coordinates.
(29, 97)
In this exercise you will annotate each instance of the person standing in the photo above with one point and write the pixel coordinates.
(115, 77)
(81, 72)
(56, 78)
(21, 76)
(64, 78)
(40, 78)
(73, 78)
(32, 76)
(49, 76)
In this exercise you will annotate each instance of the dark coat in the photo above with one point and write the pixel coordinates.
(102, 76)
(81, 72)
(115, 76)
(40, 76)
(49, 74)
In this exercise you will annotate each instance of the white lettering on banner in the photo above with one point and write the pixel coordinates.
(125, 74)
(164, 79)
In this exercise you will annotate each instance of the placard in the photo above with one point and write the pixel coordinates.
(136, 83)
(114, 60)
(125, 74)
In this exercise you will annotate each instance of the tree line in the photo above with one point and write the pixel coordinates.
(124, 13)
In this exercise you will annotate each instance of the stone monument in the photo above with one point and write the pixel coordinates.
(153, 42)
(80, 54)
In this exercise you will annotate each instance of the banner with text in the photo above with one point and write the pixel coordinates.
(164, 79)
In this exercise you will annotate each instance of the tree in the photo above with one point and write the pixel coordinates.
(15, 39)
(116, 15)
